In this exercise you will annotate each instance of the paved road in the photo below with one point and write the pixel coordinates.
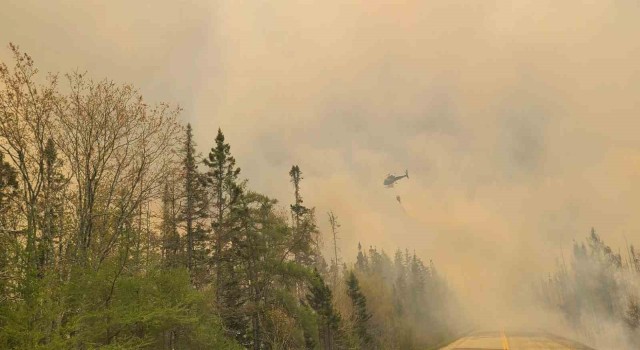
(513, 341)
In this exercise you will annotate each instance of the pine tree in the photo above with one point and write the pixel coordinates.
(360, 316)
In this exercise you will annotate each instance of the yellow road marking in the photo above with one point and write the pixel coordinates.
(505, 341)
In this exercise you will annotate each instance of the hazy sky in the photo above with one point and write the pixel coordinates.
(518, 120)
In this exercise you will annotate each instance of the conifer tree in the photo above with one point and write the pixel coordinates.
(335, 262)
(72, 234)
(361, 315)
(190, 181)
(222, 177)
(171, 250)
(320, 300)
(400, 286)
(71, 276)
(194, 209)
(362, 262)
(305, 248)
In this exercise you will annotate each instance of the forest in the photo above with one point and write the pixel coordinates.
(598, 294)
(115, 233)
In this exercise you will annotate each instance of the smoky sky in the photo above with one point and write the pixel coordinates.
(518, 121)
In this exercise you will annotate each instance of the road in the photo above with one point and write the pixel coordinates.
(513, 341)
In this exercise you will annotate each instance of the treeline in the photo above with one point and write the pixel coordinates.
(116, 234)
(598, 292)
(411, 305)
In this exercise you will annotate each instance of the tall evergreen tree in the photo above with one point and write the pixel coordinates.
(400, 286)
(222, 177)
(87, 269)
(335, 262)
(320, 299)
(362, 262)
(190, 181)
(71, 273)
(361, 315)
(171, 248)
(194, 209)
(305, 232)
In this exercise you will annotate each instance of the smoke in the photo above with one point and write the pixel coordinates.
(597, 294)
(516, 120)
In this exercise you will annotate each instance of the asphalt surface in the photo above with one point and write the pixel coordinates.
(513, 341)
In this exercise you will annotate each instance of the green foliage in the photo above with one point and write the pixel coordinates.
(320, 300)
(225, 190)
(409, 304)
(193, 211)
(305, 232)
(133, 311)
(360, 315)
(111, 238)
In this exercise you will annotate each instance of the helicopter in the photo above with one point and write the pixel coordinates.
(391, 179)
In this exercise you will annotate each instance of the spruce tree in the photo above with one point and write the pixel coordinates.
(320, 299)
(226, 191)
(189, 184)
(305, 248)
(400, 285)
(194, 209)
(171, 251)
(361, 315)
(362, 262)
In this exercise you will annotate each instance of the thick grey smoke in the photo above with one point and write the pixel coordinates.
(517, 120)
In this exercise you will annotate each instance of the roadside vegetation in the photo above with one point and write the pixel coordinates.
(116, 234)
